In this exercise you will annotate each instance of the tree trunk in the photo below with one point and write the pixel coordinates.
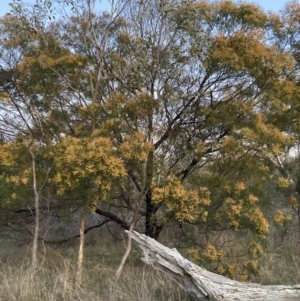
(37, 214)
(204, 285)
(152, 228)
(150, 224)
(80, 251)
(149, 228)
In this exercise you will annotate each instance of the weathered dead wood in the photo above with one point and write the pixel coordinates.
(204, 285)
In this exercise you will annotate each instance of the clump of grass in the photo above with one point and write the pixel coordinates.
(144, 283)
(24, 284)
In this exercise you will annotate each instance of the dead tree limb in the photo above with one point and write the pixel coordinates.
(204, 285)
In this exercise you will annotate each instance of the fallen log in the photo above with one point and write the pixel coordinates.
(204, 285)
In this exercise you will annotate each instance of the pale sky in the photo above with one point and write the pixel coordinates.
(5, 8)
(273, 5)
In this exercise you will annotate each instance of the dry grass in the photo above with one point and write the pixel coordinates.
(54, 280)
(279, 266)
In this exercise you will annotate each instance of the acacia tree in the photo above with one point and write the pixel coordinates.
(184, 101)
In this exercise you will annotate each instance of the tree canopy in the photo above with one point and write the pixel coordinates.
(190, 104)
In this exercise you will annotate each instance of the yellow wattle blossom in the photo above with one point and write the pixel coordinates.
(232, 269)
(15, 180)
(294, 201)
(135, 147)
(7, 152)
(257, 219)
(221, 270)
(211, 253)
(239, 187)
(252, 199)
(233, 210)
(283, 182)
(25, 176)
(256, 249)
(90, 161)
(194, 253)
(280, 218)
(251, 266)
(187, 205)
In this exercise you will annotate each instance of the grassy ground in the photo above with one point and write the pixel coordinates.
(55, 278)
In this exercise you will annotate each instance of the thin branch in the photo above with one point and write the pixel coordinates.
(132, 224)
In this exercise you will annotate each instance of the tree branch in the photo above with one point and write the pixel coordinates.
(113, 218)
(204, 285)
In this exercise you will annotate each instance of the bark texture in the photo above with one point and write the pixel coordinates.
(204, 285)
